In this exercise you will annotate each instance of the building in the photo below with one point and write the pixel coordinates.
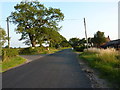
(112, 44)
(107, 40)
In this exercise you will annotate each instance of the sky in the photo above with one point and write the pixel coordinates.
(102, 16)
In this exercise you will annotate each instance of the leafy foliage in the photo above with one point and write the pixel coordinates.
(30, 50)
(34, 21)
(3, 36)
(74, 42)
(8, 53)
(77, 44)
(53, 37)
(99, 38)
(65, 43)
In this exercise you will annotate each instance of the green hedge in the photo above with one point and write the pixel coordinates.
(0, 51)
(79, 48)
(29, 50)
(7, 53)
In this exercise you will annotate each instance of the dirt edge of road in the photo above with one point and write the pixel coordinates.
(93, 75)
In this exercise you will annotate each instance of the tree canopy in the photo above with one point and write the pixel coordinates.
(99, 38)
(3, 37)
(78, 44)
(36, 22)
(74, 42)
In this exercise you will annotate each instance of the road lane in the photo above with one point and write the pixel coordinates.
(58, 70)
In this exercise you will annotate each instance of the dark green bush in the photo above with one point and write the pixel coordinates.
(79, 48)
(7, 53)
(40, 49)
(29, 50)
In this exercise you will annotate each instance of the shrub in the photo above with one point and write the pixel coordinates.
(40, 49)
(79, 48)
(29, 50)
(8, 53)
(0, 51)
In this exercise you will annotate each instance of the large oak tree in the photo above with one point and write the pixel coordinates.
(33, 18)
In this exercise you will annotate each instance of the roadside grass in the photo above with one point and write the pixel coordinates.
(17, 60)
(12, 62)
(39, 50)
(50, 51)
(0, 66)
(106, 61)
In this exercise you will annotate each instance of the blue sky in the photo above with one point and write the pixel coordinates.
(101, 16)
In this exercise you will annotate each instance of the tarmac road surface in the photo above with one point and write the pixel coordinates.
(58, 70)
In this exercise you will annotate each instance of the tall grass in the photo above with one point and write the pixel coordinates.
(108, 55)
(92, 50)
(107, 61)
(105, 55)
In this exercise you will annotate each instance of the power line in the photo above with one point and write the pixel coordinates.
(72, 19)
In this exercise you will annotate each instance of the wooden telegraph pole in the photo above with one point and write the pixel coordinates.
(86, 33)
(8, 32)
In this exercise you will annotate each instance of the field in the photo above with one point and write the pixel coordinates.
(106, 61)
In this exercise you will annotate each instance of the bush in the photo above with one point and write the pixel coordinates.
(79, 48)
(30, 50)
(40, 49)
(8, 53)
(0, 51)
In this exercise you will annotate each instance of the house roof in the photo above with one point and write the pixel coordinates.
(112, 42)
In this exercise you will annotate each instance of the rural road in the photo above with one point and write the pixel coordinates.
(33, 57)
(58, 70)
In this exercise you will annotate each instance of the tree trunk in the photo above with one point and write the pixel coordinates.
(32, 39)
(33, 43)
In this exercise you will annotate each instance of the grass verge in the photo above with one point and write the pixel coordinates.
(39, 50)
(12, 62)
(0, 66)
(106, 62)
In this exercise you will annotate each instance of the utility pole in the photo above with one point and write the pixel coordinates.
(8, 32)
(86, 33)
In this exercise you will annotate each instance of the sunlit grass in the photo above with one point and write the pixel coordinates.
(107, 61)
(12, 62)
(0, 65)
